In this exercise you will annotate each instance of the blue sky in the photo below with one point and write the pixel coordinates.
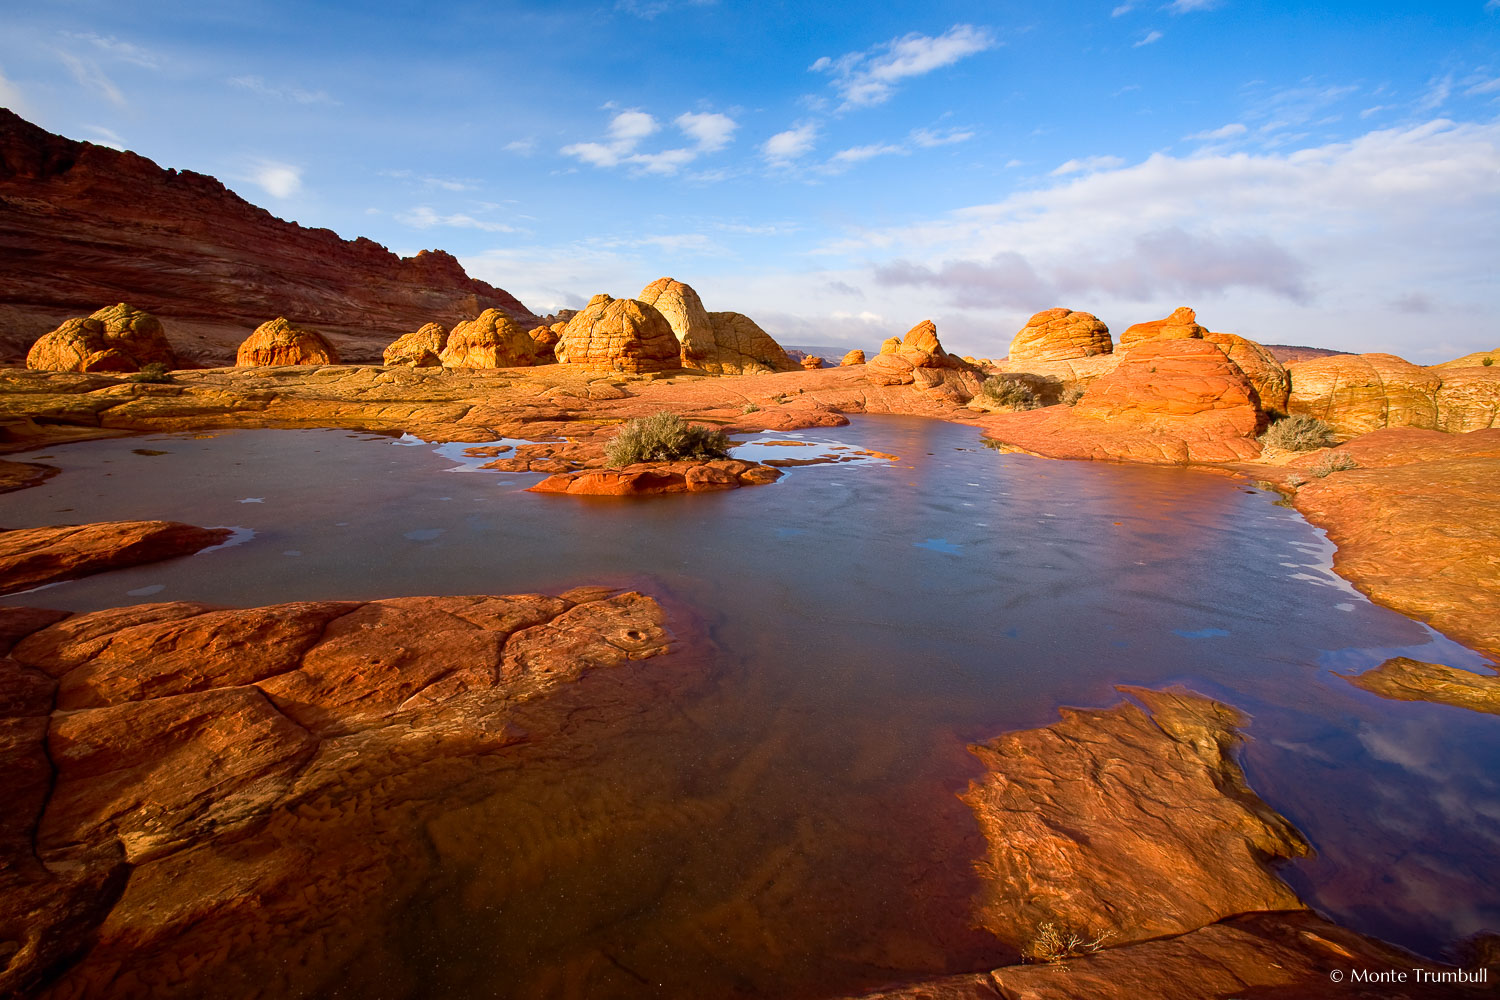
(1322, 174)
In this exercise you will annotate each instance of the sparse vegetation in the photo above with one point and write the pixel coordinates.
(1297, 433)
(750, 408)
(1002, 391)
(155, 373)
(1053, 946)
(664, 437)
(1072, 396)
(1334, 461)
(1487, 362)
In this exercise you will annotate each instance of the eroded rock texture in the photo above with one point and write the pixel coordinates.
(216, 794)
(1060, 335)
(1405, 679)
(118, 338)
(655, 478)
(725, 343)
(1181, 325)
(619, 335)
(30, 557)
(420, 349)
(279, 342)
(493, 340)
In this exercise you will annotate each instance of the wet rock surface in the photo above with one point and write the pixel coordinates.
(1405, 679)
(159, 826)
(31, 557)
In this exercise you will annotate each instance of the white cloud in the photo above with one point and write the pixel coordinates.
(928, 138)
(117, 49)
(88, 75)
(857, 154)
(293, 94)
(1485, 86)
(10, 94)
(1151, 36)
(650, 10)
(867, 78)
(784, 147)
(279, 180)
(1088, 164)
(522, 147)
(106, 137)
(1188, 6)
(1122, 10)
(711, 132)
(1223, 132)
(423, 217)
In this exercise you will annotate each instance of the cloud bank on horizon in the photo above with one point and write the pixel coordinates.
(1327, 177)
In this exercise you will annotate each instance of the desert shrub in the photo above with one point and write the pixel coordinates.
(1334, 461)
(1053, 946)
(1487, 362)
(1002, 391)
(1072, 396)
(154, 372)
(664, 437)
(1298, 433)
(750, 408)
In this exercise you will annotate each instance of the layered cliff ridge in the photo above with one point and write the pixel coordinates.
(82, 225)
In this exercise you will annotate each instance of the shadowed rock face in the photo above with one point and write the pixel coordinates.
(30, 557)
(84, 224)
(280, 343)
(161, 817)
(421, 348)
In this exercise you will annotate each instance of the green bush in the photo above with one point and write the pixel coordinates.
(155, 372)
(1334, 461)
(1297, 433)
(664, 437)
(750, 408)
(1487, 362)
(1002, 391)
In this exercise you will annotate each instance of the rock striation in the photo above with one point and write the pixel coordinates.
(279, 342)
(1060, 335)
(85, 224)
(623, 335)
(118, 338)
(493, 340)
(724, 343)
(854, 357)
(919, 358)
(211, 779)
(1355, 393)
(31, 557)
(1181, 325)
(420, 349)
(1272, 383)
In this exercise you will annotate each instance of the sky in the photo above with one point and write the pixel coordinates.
(1325, 174)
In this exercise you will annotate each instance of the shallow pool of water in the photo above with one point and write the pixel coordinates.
(799, 833)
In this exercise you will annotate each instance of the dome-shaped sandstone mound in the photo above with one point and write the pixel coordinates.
(1060, 335)
(619, 335)
(1356, 393)
(1175, 378)
(741, 347)
(683, 310)
(900, 357)
(118, 338)
(545, 338)
(1272, 384)
(280, 343)
(492, 340)
(1181, 325)
(421, 349)
(854, 357)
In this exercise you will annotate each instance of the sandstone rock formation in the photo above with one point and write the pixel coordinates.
(421, 348)
(1475, 360)
(620, 335)
(683, 310)
(1468, 399)
(1181, 325)
(30, 557)
(1405, 679)
(741, 347)
(546, 338)
(1060, 335)
(168, 819)
(854, 357)
(493, 340)
(21, 475)
(901, 357)
(1272, 383)
(118, 338)
(278, 342)
(657, 478)
(1166, 401)
(86, 224)
(811, 363)
(1171, 840)
(1356, 393)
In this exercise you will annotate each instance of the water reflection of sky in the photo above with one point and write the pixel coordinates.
(871, 617)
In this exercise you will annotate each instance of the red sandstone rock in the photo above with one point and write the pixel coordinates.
(742, 348)
(85, 224)
(1356, 393)
(1405, 679)
(21, 475)
(619, 335)
(546, 338)
(30, 557)
(1181, 325)
(812, 363)
(1468, 399)
(493, 340)
(278, 342)
(656, 478)
(421, 348)
(854, 357)
(1059, 335)
(1272, 383)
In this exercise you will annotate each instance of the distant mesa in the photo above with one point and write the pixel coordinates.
(118, 338)
(1060, 335)
(278, 342)
(85, 224)
(624, 335)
